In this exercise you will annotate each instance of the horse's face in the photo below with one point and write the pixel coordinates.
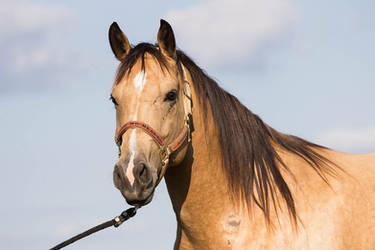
(151, 96)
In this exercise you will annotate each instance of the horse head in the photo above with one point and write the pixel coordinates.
(152, 101)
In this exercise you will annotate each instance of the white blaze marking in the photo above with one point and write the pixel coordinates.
(139, 82)
(129, 169)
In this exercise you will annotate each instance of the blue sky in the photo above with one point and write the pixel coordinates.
(306, 67)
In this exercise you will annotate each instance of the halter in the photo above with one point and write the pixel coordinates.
(165, 150)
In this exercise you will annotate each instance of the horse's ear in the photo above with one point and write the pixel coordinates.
(166, 40)
(119, 42)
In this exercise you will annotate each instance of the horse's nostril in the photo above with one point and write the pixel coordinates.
(117, 177)
(143, 169)
(143, 172)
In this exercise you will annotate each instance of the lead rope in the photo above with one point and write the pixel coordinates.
(116, 222)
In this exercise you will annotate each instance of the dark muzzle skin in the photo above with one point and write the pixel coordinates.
(134, 178)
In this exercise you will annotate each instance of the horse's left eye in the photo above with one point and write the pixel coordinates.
(171, 95)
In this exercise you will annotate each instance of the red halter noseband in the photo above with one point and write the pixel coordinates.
(165, 150)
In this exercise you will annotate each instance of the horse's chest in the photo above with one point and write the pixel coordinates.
(231, 226)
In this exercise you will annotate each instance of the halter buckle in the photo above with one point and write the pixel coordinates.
(188, 127)
(165, 152)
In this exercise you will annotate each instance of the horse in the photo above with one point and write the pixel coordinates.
(234, 182)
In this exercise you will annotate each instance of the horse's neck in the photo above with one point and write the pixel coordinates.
(207, 217)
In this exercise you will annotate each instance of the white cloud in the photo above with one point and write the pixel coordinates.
(21, 16)
(29, 33)
(221, 32)
(350, 140)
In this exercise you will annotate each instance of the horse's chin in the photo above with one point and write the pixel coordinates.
(141, 203)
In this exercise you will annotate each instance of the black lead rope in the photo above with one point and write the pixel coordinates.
(117, 221)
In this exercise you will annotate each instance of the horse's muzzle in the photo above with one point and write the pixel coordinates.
(134, 178)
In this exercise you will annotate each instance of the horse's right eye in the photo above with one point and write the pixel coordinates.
(113, 100)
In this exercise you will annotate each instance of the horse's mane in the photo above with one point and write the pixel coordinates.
(249, 157)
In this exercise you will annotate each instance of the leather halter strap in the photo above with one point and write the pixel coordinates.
(135, 124)
(165, 150)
